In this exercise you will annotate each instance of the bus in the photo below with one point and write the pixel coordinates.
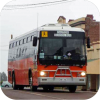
(53, 55)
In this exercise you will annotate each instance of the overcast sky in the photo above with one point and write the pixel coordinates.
(19, 21)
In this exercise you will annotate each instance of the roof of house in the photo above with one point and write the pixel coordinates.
(61, 17)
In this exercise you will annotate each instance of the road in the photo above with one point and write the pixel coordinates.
(40, 94)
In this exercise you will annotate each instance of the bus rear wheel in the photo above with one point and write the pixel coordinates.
(72, 88)
(15, 87)
(21, 87)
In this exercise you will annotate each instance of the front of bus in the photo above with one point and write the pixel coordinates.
(62, 58)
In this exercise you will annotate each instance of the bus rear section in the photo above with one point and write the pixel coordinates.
(61, 59)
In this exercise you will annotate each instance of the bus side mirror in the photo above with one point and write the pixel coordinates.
(35, 41)
(88, 42)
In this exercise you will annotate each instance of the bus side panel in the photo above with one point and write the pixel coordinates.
(9, 72)
(21, 72)
(35, 78)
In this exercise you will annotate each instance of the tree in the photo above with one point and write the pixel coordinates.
(0, 76)
(3, 77)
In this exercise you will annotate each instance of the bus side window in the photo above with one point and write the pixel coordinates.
(20, 42)
(9, 46)
(12, 45)
(28, 39)
(24, 41)
(32, 38)
(17, 43)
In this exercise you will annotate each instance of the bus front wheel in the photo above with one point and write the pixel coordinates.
(45, 88)
(33, 88)
(51, 88)
(72, 88)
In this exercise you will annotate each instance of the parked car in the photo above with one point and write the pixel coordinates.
(6, 84)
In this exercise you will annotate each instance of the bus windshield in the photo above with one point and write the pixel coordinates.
(62, 49)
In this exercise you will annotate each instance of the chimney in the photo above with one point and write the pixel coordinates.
(70, 20)
(90, 16)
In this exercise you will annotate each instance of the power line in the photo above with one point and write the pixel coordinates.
(37, 3)
(38, 6)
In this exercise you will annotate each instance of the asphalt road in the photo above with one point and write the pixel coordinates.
(40, 94)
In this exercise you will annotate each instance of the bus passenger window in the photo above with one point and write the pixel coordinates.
(10, 46)
(14, 44)
(17, 43)
(24, 40)
(28, 39)
(32, 38)
(20, 42)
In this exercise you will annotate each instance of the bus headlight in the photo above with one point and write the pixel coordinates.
(42, 73)
(83, 73)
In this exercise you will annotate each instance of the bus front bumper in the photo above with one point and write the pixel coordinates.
(62, 81)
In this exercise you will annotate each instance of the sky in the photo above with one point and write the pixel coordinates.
(19, 21)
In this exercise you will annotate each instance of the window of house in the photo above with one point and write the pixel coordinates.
(90, 54)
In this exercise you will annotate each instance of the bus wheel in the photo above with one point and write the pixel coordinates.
(45, 88)
(51, 88)
(72, 88)
(21, 87)
(32, 88)
(15, 87)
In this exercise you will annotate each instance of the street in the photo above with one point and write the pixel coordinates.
(40, 94)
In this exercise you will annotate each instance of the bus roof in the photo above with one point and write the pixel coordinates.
(49, 27)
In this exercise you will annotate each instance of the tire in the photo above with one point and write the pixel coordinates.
(32, 88)
(45, 88)
(21, 87)
(6, 86)
(51, 88)
(72, 88)
(15, 87)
